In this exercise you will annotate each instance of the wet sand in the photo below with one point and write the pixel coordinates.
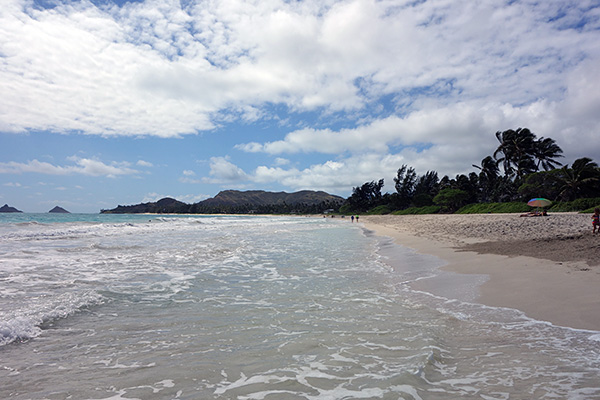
(547, 267)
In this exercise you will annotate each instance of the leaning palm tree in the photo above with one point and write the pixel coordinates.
(488, 178)
(515, 151)
(545, 151)
(573, 180)
(489, 168)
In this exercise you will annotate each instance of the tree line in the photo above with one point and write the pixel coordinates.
(521, 167)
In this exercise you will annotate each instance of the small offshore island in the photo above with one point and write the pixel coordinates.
(59, 210)
(8, 209)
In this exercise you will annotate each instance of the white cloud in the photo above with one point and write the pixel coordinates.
(186, 198)
(337, 176)
(281, 161)
(223, 171)
(450, 139)
(143, 163)
(460, 124)
(371, 84)
(98, 168)
(84, 166)
(155, 68)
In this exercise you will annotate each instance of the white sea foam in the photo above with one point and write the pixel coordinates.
(258, 308)
(23, 323)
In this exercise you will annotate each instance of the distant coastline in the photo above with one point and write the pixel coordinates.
(241, 202)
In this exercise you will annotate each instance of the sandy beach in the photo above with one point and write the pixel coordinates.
(547, 267)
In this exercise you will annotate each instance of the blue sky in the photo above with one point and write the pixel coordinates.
(114, 102)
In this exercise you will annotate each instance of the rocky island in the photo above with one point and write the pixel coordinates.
(59, 210)
(8, 209)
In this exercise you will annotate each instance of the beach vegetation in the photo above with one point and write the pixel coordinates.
(488, 177)
(514, 152)
(493, 208)
(418, 210)
(521, 153)
(450, 199)
(426, 189)
(544, 184)
(422, 200)
(521, 167)
(364, 197)
(380, 210)
(580, 180)
(404, 182)
(578, 205)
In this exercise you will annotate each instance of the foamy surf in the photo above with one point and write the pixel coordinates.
(258, 308)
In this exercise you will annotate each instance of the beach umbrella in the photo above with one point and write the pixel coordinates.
(539, 202)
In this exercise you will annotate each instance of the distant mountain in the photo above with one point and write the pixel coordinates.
(8, 209)
(59, 210)
(241, 202)
(166, 205)
(260, 198)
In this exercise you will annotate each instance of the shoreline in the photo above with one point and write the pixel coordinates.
(556, 281)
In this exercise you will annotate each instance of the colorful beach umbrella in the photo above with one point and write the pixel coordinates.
(539, 202)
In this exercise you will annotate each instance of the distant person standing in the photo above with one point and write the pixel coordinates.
(352, 218)
(357, 219)
(596, 219)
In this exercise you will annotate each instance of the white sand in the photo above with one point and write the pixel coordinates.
(543, 266)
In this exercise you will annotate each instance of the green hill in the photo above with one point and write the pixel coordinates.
(241, 202)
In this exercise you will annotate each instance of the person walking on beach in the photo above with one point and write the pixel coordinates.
(596, 220)
(357, 219)
(352, 218)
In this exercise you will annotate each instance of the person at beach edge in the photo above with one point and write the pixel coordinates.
(596, 220)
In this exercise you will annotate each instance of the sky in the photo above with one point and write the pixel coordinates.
(113, 102)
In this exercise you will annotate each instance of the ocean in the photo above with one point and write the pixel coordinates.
(105, 306)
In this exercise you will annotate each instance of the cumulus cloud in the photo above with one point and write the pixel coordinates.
(336, 176)
(143, 163)
(457, 135)
(186, 198)
(167, 69)
(371, 85)
(281, 161)
(223, 171)
(84, 166)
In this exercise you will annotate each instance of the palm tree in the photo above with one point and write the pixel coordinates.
(515, 151)
(489, 169)
(488, 177)
(545, 151)
(573, 180)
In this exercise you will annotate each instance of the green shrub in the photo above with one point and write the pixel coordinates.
(451, 199)
(379, 210)
(346, 209)
(486, 208)
(418, 210)
(589, 210)
(583, 205)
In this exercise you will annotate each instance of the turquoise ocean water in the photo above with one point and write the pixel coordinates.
(257, 307)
